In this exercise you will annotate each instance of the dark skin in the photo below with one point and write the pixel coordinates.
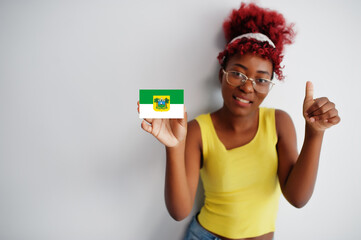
(236, 124)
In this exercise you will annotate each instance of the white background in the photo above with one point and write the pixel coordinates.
(74, 162)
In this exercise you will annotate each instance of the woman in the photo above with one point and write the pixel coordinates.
(246, 155)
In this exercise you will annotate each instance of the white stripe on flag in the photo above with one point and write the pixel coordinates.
(147, 111)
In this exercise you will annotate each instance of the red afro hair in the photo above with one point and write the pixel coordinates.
(250, 18)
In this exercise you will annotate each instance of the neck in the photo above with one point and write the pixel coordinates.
(236, 122)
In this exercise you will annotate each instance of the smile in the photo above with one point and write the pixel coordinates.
(242, 100)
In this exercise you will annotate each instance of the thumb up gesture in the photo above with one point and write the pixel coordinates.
(319, 113)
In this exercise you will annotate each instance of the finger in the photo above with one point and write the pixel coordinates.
(323, 109)
(318, 103)
(309, 91)
(326, 116)
(148, 120)
(334, 120)
(330, 122)
(147, 127)
(327, 125)
(138, 106)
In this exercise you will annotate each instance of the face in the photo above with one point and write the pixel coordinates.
(244, 100)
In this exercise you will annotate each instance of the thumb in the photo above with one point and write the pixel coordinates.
(309, 91)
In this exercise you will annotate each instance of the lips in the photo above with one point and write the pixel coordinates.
(242, 100)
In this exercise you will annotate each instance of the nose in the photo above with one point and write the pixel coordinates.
(247, 86)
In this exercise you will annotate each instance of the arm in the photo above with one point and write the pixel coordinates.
(297, 173)
(183, 154)
(182, 173)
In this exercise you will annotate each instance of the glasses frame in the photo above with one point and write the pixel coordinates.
(248, 78)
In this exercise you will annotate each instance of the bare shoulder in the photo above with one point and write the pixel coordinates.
(193, 126)
(282, 115)
(284, 122)
(194, 133)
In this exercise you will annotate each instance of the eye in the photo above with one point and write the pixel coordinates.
(262, 81)
(237, 75)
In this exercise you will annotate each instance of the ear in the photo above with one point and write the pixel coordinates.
(220, 75)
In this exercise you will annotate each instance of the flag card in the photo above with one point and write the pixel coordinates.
(161, 103)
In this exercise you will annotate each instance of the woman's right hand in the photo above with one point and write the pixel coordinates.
(170, 132)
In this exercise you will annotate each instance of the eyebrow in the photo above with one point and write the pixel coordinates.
(245, 68)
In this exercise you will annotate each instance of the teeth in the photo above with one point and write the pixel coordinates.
(242, 100)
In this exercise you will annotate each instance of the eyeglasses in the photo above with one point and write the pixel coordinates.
(237, 79)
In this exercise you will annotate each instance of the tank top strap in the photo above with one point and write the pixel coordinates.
(267, 124)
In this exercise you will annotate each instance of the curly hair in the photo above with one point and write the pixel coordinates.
(250, 18)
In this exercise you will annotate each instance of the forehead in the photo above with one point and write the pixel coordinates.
(250, 61)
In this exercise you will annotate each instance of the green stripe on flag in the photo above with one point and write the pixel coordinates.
(176, 95)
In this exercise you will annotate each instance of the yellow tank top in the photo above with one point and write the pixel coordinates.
(241, 184)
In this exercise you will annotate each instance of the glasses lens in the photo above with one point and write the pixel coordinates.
(262, 85)
(236, 78)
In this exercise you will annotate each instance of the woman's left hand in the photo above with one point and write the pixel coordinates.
(319, 113)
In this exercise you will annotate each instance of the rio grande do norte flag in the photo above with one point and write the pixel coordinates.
(161, 103)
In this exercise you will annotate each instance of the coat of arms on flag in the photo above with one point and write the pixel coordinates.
(161, 103)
